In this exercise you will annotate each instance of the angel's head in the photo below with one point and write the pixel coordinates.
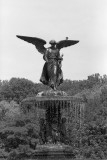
(52, 42)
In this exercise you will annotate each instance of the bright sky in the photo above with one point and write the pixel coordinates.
(83, 20)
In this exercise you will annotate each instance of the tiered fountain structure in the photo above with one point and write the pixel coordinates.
(61, 113)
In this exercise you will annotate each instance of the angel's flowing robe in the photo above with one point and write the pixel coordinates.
(52, 74)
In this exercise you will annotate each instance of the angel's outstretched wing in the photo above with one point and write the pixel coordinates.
(39, 43)
(66, 43)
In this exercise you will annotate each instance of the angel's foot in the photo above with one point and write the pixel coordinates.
(53, 87)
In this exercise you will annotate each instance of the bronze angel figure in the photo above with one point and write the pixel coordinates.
(52, 73)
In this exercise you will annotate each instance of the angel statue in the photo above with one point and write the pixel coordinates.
(52, 73)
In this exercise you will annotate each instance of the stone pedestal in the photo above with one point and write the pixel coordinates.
(54, 151)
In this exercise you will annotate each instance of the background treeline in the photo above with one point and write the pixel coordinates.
(19, 132)
(20, 88)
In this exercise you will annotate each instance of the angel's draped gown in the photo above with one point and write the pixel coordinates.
(49, 74)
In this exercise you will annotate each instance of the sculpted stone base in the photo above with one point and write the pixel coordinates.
(55, 151)
(51, 93)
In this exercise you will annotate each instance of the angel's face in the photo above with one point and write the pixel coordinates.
(53, 44)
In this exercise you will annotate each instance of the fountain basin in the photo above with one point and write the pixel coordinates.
(54, 151)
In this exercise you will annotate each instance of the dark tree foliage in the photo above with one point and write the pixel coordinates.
(19, 135)
(94, 133)
(19, 88)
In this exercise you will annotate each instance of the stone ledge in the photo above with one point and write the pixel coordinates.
(51, 93)
(54, 151)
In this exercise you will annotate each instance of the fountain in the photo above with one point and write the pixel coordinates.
(56, 106)
(61, 111)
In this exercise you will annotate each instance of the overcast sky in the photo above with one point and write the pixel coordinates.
(83, 20)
